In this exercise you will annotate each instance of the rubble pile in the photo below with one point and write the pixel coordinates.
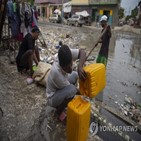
(49, 43)
(131, 109)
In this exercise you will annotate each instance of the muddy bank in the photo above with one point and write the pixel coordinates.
(21, 104)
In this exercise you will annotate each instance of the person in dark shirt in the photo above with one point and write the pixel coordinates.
(105, 40)
(103, 53)
(28, 52)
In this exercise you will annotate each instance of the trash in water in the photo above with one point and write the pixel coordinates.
(116, 102)
(131, 109)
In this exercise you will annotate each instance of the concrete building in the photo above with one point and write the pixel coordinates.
(105, 7)
(80, 5)
(97, 8)
(47, 7)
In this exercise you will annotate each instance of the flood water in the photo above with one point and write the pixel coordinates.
(124, 69)
(123, 78)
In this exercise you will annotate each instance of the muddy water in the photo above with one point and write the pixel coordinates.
(123, 77)
(124, 69)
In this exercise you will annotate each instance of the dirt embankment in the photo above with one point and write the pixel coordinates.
(127, 28)
(21, 104)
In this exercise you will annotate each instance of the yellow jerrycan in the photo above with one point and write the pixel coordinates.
(78, 119)
(95, 80)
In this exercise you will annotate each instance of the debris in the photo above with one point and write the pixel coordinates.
(125, 112)
(29, 81)
(116, 102)
(124, 83)
(49, 127)
(131, 109)
(109, 97)
(67, 36)
(52, 41)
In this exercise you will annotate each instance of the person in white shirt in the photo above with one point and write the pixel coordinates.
(60, 87)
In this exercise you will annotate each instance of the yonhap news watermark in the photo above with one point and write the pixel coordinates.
(118, 128)
(94, 128)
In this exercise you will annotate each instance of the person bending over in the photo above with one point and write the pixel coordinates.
(61, 80)
(28, 52)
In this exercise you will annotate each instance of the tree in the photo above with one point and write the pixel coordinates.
(31, 2)
(127, 17)
(121, 13)
(134, 12)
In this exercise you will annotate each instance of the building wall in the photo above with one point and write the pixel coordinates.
(107, 7)
(80, 8)
(80, 5)
(80, 2)
(96, 8)
(110, 10)
(46, 10)
(42, 10)
(103, 2)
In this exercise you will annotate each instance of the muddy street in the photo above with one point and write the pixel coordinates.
(24, 115)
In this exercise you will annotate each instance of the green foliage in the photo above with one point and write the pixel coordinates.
(127, 17)
(31, 2)
(121, 13)
(134, 12)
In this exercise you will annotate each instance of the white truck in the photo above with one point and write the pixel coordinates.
(53, 18)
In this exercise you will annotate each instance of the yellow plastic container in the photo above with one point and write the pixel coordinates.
(78, 119)
(95, 81)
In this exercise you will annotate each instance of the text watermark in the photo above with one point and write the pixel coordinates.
(94, 128)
